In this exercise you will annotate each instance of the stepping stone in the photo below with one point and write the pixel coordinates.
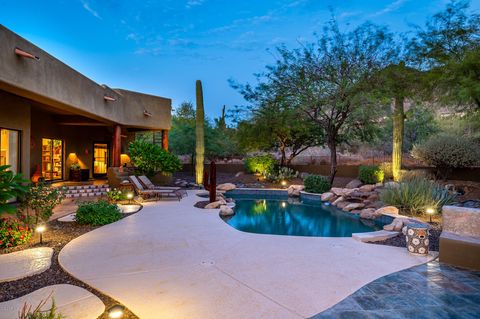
(374, 236)
(25, 263)
(68, 218)
(71, 301)
(129, 208)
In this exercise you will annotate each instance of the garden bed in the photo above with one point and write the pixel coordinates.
(58, 234)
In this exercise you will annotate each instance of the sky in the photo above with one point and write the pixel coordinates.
(161, 47)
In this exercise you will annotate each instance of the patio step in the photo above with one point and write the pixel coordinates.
(86, 190)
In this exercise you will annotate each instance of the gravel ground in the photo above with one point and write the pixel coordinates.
(58, 234)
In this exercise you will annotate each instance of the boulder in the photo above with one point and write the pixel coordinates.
(368, 213)
(338, 200)
(226, 211)
(387, 210)
(343, 204)
(325, 197)
(343, 191)
(366, 188)
(373, 197)
(396, 225)
(294, 190)
(353, 206)
(216, 204)
(355, 183)
(226, 187)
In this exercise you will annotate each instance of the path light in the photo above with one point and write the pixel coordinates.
(430, 211)
(40, 229)
(284, 183)
(116, 311)
(130, 197)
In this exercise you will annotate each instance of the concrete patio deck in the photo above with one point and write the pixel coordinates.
(172, 260)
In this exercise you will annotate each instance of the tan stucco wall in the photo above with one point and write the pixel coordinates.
(15, 115)
(55, 84)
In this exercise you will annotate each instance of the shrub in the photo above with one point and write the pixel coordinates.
(97, 213)
(13, 233)
(11, 186)
(370, 174)
(37, 313)
(41, 199)
(416, 194)
(316, 184)
(263, 164)
(446, 152)
(115, 195)
(386, 167)
(281, 173)
(150, 159)
(406, 175)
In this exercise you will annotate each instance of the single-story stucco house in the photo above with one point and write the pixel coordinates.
(51, 116)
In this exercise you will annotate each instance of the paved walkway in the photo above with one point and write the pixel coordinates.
(172, 260)
(432, 290)
(25, 263)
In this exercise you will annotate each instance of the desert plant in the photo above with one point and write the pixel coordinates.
(406, 175)
(115, 195)
(446, 152)
(386, 167)
(27, 313)
(261, 164)
(200, 134)
(97, 213)
(13, 232)
(281, 173)
(11, 186)
(150, 159)
(316, 184)
(370, 174)
(414, 195)
(41, 199)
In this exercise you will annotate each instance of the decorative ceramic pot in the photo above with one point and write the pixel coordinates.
(417, 239)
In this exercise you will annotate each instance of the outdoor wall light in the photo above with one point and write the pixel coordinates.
(430, 211)
(25, 54)
(40, 229)
(116, 311)
(109, 98)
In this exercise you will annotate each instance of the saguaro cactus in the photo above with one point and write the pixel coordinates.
(210, 182)
(200, 134)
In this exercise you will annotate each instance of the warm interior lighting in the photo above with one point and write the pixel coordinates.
(124, 159)
(109, 98)
(116, 311)
(25, 54)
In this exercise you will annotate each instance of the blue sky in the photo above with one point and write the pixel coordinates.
(161, 47)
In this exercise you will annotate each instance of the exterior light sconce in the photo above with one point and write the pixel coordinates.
(146, 113)
(109, 98)
(25, 54)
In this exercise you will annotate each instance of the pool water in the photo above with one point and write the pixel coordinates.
(283, 217)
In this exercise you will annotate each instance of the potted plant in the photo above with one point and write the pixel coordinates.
(75, 173)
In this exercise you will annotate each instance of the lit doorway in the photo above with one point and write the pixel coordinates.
(100, 159)
(52, 159)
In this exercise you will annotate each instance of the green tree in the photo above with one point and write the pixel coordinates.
(329, 82)
(449, 49)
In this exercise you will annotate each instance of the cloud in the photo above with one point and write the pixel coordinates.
(394, 6)
(87, 7)
(194, 3)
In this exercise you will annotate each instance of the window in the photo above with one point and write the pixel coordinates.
(52, 159)
(10, 149)
(100, 158)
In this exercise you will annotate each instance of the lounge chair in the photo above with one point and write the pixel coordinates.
(149, 185)
(152, 194)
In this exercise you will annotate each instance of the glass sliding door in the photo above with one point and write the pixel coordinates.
(100, 159)
(9, 149)
(52, 159)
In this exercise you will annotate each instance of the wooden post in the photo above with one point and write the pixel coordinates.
(165, 139)
(116, 146)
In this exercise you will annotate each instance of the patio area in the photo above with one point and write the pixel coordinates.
(172, 260)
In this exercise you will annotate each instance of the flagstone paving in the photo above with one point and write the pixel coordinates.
(172, 260)
(432, 290)
(25, 263)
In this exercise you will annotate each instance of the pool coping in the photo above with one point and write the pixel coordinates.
(373, 236)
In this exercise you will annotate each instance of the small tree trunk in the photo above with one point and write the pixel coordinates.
(282, 151)
(398, 132)
(332, 146)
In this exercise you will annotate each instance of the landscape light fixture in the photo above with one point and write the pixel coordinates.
(284, 183)
(109, 98)
(25, 54)
(130, 197)
(40, 229)
(430, 211)
(284, 204)
(116, 311)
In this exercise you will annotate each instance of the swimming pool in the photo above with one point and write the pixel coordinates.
(282, 216)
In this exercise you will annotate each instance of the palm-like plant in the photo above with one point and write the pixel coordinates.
(12, 185)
